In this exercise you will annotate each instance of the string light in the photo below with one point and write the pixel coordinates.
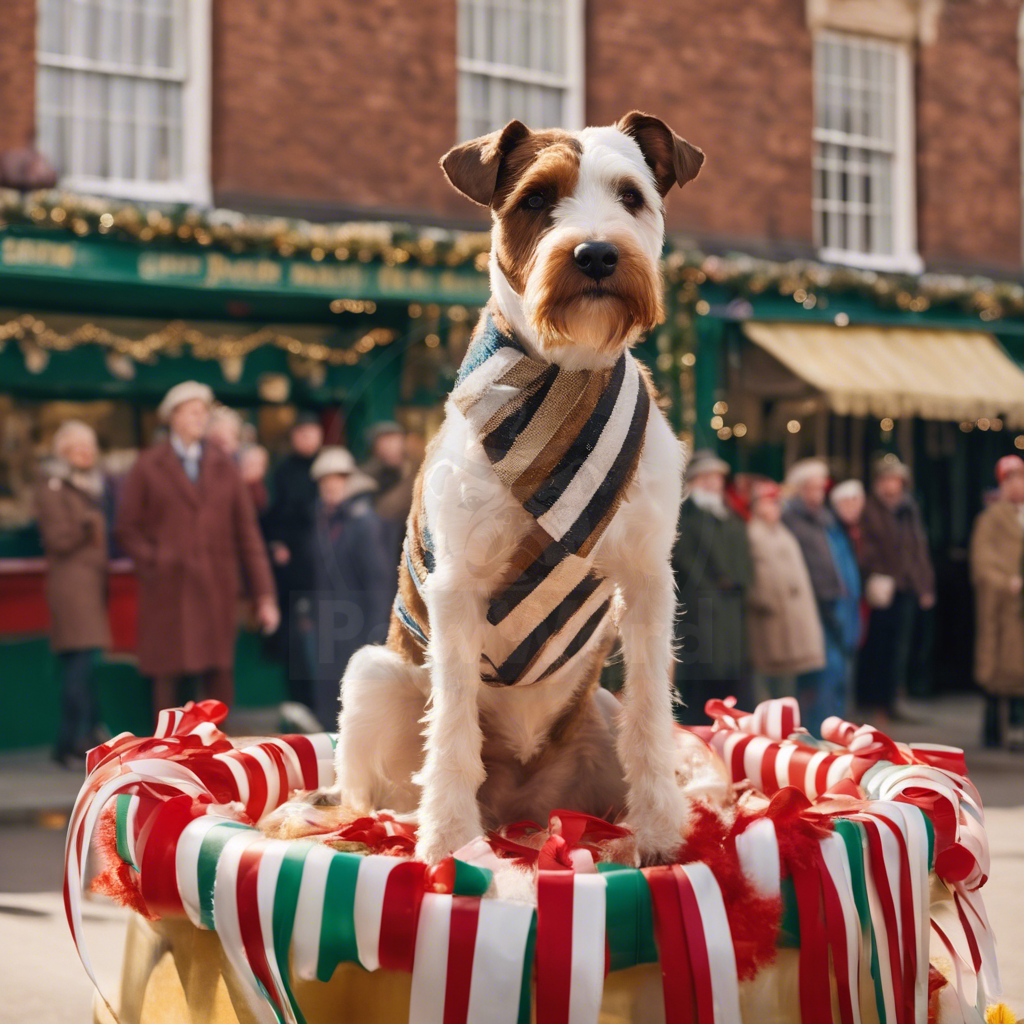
(720, 408)
(170, 339)
(886, 425)
(793, 426)
(717, 422)
(740, 430)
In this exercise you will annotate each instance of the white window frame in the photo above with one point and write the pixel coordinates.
(573, 82)
(904, 256)
(194, 187)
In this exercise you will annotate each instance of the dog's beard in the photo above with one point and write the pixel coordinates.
(567, 308)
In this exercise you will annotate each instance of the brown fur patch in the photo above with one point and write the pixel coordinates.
(544, 162)
(574, 310)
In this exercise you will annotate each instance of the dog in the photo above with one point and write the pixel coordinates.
(543, 519)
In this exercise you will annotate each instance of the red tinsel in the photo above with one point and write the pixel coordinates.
(753, 918)
(118, 880)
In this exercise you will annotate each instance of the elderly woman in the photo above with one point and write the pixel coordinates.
(355, 574)
(70, 505)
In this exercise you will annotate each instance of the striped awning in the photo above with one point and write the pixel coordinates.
(896, 371)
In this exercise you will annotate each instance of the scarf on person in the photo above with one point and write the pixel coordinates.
(566, 444)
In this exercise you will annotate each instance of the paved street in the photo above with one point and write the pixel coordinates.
(45, 984)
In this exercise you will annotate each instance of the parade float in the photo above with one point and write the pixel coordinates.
(837, 880)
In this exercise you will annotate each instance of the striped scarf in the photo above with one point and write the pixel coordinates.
(566, 444)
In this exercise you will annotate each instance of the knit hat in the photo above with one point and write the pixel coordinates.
(306, 418)
(706, 461)
(1008, 464)
(181, 393)
(383, 428)
(847, 489)
(806, 469)
(890, 465)
(333, 460)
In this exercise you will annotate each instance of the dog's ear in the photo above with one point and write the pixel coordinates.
(672, 159)
(473, 166)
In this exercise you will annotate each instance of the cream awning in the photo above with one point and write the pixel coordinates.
(897, 371)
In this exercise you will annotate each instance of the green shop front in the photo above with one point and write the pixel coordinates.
(769, 362)
(103, 308)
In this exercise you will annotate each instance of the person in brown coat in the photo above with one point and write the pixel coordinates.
(899, 583)
(70, 508)
(997, 553)
(187, 521)
(783, 627)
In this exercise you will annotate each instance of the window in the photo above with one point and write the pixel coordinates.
(519, 59)
(123, 96)
(864, 205)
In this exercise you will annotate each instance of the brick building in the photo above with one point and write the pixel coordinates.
(249, 195)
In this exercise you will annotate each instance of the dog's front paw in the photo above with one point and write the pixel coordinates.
(434, 844)
(658, 837)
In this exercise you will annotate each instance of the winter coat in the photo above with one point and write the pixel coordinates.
(847, 607)
(74, 533)
(356, 581)
(782, 616)
(191, 543)
(997, 546)
(289, 520)
(713, 570)
(810, 527)
(893, 543)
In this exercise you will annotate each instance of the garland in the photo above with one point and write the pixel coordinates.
(687, 267)
(32, 332)
(846, 842)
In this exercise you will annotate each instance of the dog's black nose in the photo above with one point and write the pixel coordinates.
(596, 259)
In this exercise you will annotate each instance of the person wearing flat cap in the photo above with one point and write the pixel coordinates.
(899, 583)
(186, 519)
(713, 570)
(997, 554)
(356, 577)
(391, 468)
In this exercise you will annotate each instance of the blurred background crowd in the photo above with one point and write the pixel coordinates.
(810, 588)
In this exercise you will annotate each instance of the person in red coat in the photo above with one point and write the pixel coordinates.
(187, 520)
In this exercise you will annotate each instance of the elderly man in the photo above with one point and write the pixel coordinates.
(713, 570)
(823, 692)
(898, 582)
(187, 521)
(997, 553)
(389, 466)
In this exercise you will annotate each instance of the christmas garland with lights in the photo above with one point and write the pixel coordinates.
(687, 267)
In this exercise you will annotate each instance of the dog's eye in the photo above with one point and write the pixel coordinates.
(535, 201)
(472, 502)
(631, 198)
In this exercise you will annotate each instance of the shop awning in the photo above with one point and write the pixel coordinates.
(891, 371)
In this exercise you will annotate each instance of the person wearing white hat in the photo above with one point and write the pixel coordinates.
(713, 571)
(187, 521)
(997, 554)
(356, 576)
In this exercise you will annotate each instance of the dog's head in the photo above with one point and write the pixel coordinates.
(578, 226)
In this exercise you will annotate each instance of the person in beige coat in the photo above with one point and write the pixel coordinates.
(997, 552)
(72, 523)
(783, 627)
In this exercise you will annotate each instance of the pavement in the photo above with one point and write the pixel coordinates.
(45, 983)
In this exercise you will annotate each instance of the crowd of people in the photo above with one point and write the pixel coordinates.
(785, 589)
(819, 596)
(307, 557)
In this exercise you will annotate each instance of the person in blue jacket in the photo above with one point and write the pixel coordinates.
(847, 500)
(355, 574)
